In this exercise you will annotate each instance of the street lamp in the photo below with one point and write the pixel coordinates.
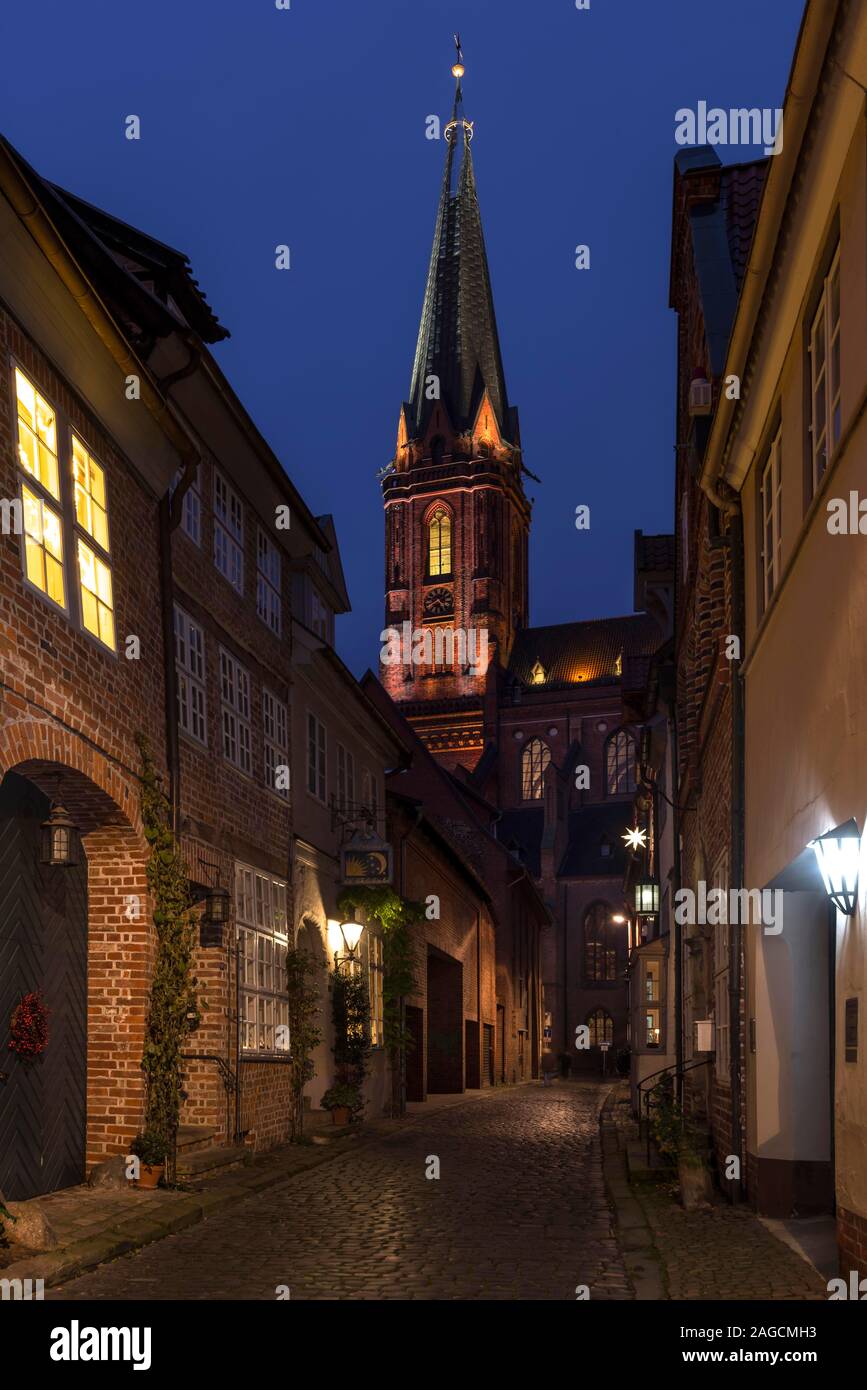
(647, 898)
(837, 853)
(59, 838)
(351, 931)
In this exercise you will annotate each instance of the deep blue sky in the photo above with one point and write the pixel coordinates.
(307, 127)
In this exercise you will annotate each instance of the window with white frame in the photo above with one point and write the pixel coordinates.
(228, 532)
(268, 581)
(235, 702)
(825, 410)
(191, 507)
(369, 793)
(376, 971)
(722, 1004)
(275, 729)
(263, 939)
(190, 668)
(772, 502)
(319, 614)
(345, 777)
(316, 752)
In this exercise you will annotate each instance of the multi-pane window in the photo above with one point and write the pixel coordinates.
(81, 512)
(268, 581)
(345, 777)
(376, 975)
(652, 1003)
(190, 666)
(722, 1005)
(228, 532)
(620, 763)
(260, 910)
(369, 793)
(601, 1026)
(825, 415)
(235, 698)
(316, 746)
(771, 520)
(191, 510)
(319, 614)
(439, 543)
(600, 949)
(275, 728)
(94, 566)
(534, 759)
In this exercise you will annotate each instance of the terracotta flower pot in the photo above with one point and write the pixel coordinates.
(150, 1174)
(340, 1115)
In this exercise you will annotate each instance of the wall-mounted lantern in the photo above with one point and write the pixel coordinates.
(351, 931)
(59, 837)
(216, 903)
(647, 898)
(837, 853)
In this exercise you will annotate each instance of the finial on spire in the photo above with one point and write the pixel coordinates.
(458, 68)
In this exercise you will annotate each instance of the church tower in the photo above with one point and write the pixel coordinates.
(456, 517)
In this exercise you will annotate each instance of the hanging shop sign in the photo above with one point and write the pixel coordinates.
(365, 858)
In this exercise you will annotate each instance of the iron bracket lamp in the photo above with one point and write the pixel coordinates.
(215, 915)
(837, 853)
(59, 837)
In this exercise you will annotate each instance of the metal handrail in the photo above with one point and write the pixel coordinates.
(678, 1072)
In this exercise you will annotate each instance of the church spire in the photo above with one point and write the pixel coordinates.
(457, 340)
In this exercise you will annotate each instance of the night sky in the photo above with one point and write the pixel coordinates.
(307, 127)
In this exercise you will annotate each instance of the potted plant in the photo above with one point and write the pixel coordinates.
(150, 1148)
(344, 1101)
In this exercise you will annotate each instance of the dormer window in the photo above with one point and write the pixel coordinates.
(537, 675)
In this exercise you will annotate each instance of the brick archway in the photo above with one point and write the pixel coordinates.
(103, 800)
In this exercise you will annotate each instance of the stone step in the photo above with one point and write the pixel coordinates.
(204, 1162)
(194, 1137)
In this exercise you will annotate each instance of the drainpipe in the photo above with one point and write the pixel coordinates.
(678, 930)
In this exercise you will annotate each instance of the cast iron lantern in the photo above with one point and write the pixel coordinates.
(351, 931)
(837, 853)
(216, 912)
(59, 837)
(647, 898)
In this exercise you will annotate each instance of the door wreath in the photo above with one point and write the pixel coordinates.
(28, 1027)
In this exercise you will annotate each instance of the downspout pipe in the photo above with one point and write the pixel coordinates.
(736, 556)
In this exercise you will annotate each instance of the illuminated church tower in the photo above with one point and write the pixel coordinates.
(457, 519)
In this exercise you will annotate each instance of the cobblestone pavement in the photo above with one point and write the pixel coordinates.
(519, 1212)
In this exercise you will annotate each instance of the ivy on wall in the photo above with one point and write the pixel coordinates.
(304, 1034)
(172, 1010)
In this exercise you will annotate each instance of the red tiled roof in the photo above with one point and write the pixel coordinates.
(740, 195)
(574, 653)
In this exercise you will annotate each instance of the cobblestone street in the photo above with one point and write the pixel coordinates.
(519, 1212)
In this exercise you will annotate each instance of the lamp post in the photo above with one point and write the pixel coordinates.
(837, 853)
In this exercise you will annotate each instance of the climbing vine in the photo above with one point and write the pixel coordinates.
(395, 915)
(172, 1011)
(304, 1033)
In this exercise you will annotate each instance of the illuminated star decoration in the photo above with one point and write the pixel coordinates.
(636, 839)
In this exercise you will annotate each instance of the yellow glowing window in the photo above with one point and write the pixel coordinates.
(97, 607)
(43, 546)
(89, 481)
(37, 436)
(440, 543)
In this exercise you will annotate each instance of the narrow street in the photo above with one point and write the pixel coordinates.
(519, 1212)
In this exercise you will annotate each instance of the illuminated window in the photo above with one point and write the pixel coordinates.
(600, 947)
(37, 457)
(601, 1026)
(534, 759)
(260, 911)
(620, 763)
(537, 675)
(376, 971)
(94, 569)
(440, 543)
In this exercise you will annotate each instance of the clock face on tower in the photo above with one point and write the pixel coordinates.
(438, 603)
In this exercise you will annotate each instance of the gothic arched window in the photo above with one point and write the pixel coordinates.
(620, 763)
(600, 947)
(439, 534)
(534, 759)
(601, 1026)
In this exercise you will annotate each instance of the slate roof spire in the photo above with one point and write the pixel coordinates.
(457, 339)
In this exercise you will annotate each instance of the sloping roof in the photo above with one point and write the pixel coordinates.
(524, 828)
(457, 338)
(575, 653)
(588, 827)
(654, 553)
(740, 196)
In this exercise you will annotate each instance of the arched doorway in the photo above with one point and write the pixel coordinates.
(43, 946)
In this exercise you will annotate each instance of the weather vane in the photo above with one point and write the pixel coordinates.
(458, 69)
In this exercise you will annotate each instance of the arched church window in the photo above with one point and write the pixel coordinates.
(439, 529)
(601, 1026)
(600, 948)
(534, 759)
(620, 763)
